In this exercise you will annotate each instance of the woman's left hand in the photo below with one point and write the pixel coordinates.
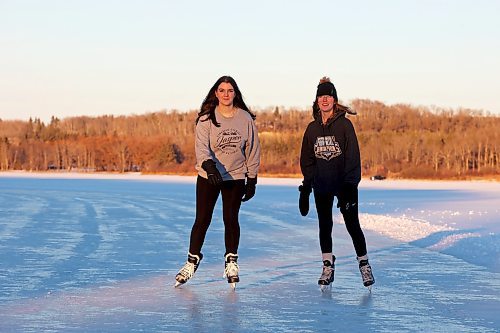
(249, 189)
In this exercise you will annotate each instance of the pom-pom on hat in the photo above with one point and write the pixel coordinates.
(325, 87)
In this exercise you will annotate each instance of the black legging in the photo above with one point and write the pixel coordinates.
(206, 198)
(324, 207)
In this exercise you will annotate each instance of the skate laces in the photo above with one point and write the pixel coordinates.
(327, 272)
(366, 272)
(231, 269)
(187, 271)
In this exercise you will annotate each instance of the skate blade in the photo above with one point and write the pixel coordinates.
(325, 287)
(233, 285)
(369, 289)
(177, 283)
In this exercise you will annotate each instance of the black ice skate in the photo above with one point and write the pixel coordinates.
(327, 275)
(366, 272)
(187, 271)
(231, 269)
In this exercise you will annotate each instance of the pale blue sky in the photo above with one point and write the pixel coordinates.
(69, 58)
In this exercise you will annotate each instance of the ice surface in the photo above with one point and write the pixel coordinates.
(86, 253)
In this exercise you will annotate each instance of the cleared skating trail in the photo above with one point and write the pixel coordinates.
(101, 255)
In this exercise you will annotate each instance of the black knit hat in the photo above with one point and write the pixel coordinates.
(325, 87)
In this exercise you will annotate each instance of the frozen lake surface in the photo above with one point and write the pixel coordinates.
(98, 253)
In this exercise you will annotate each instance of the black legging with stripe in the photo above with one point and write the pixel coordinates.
(324, 207)
(206, 198)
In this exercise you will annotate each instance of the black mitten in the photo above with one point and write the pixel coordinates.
(305, 191)
(249, 189)
(213, 174)
(347, 197)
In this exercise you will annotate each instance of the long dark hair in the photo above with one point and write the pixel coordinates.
(210, 102)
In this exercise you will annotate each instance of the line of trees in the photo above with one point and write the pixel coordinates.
(398, 141)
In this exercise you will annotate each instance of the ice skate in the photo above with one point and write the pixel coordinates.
(231, 269)
(187, 271)
(327, 275)
(366, 272)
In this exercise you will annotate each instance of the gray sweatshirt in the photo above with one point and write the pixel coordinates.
(234, 146)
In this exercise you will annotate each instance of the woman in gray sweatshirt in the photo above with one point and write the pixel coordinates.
(227, 153)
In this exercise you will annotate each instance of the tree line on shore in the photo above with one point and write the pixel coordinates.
(396, 141)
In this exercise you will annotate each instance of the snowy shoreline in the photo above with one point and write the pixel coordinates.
(483, 185)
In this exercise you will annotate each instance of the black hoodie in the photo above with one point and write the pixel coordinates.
(329, 157)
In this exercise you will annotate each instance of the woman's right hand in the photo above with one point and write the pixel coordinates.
(213, 173)
(305, 191)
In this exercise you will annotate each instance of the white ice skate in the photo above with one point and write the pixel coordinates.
(366, 272)
(231, 269)
(187, 271)
(327, 276)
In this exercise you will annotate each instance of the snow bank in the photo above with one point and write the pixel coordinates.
(402, 229)
(482, 185)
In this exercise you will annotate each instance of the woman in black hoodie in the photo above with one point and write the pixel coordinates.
(331, 167)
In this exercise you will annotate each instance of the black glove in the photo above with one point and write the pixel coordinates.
(249, 189)
(213, 174)
(347, 197)
(305, 191)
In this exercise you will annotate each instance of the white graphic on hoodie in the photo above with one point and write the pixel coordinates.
(326, 147)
